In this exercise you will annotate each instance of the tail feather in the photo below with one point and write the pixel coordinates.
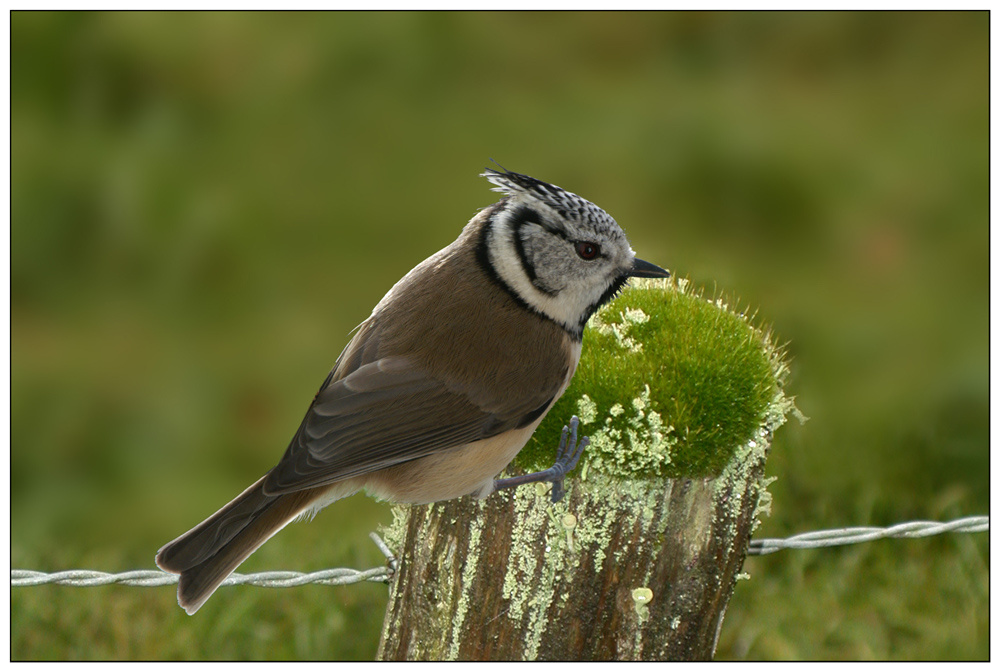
(203, 541)
(210, 552)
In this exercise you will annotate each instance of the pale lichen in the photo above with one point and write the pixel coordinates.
(531, 600)
(627, 443)
(468, 573)
(586, 409)
(620, 330)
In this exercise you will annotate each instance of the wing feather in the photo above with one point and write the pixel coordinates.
(384, 413)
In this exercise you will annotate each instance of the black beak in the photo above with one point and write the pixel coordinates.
(644, 269)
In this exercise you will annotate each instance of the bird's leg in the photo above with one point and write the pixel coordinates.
(568, 455)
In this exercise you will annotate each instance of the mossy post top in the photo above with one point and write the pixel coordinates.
(669, 385)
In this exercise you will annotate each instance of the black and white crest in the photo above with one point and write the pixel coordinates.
(568, 205)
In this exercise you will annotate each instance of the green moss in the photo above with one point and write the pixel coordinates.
(669, 385)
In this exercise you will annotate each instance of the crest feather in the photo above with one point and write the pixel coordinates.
(568, 205)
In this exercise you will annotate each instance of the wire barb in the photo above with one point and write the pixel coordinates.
(390, 559)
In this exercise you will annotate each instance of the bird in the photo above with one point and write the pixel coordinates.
(445, 382)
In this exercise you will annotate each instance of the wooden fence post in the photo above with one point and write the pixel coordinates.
(616, 571)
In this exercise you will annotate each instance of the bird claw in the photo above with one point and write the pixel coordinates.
(567, 456)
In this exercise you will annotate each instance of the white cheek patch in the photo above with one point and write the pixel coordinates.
(567, 307)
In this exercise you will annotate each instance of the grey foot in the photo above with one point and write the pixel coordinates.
(567, 457)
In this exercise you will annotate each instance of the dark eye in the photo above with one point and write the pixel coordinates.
(587, 250)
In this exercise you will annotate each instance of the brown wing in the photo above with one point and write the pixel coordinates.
(384, 413)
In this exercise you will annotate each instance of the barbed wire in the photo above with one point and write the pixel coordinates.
(856, 535)
(155, 577)
(344, 576)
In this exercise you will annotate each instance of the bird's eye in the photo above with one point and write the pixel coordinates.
(587, 251)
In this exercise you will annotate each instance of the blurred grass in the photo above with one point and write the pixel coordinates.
(204, 204)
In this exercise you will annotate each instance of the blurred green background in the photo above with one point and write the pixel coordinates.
(203, 206)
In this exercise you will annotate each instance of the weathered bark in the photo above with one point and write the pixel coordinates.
(514, 577)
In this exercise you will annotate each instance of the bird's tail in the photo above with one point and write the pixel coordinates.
(207, 554)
